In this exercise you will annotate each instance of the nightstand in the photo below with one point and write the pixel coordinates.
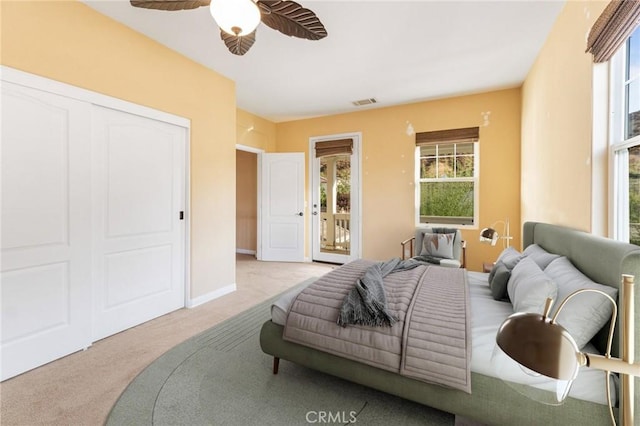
(487, 266)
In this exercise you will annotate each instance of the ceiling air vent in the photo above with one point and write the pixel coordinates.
(362, 102)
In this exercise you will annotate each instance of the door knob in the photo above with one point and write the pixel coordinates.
(315, 213)
(300, 214)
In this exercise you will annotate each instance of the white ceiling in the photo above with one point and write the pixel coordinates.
(395, 51)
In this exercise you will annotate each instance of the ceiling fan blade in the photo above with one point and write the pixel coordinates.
(291, 19)
(238, 45)
(170, 4)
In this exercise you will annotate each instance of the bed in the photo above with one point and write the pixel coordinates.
(491, 401)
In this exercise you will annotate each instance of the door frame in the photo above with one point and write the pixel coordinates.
(258, 152)
(26, 79)
(356, 182)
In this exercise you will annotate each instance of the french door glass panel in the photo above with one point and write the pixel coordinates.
(335, 204)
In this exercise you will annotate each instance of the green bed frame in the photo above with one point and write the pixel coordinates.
(492, 402)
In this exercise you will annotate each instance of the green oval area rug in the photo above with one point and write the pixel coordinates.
(222, 377)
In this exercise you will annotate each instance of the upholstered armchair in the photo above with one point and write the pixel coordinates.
(415, 246)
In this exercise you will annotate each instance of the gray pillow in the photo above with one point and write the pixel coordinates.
(585, 314)
(539, 255)
(499, 278)
(493, 271)
(529, 287)
(510, 257)
(438, 245)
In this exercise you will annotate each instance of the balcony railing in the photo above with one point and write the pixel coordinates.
(335, 231)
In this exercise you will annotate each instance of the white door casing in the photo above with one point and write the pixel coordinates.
(356, 201)
(46, 228)
(139, 236)
(282, 207)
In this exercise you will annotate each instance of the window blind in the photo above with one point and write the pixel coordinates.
(335, 147)
(467, 134)
(612, 28)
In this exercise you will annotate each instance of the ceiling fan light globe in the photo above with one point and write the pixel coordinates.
(236, 17)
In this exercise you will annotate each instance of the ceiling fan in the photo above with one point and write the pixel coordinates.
(238, 19)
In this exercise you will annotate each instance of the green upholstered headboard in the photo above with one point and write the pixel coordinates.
(601, 259)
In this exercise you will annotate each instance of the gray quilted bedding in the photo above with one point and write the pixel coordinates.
(429, 342)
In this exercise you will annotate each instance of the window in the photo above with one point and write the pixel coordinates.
(447, 170)
(625, 140)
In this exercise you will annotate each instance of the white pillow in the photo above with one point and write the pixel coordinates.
(585, 314)
(438, 245)
(529, 287)
(510, 257)
(540, 255)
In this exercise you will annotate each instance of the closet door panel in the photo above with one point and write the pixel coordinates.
(139, 192)
(46, 227)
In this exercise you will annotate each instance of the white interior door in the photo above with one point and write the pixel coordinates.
(282, 207)
(139, 233)
(46, 228)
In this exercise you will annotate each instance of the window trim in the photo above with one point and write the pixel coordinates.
(475, 179)
(618, 147)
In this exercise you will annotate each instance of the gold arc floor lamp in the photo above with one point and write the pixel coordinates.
(538, 343)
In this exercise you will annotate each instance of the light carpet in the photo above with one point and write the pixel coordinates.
(222, 377)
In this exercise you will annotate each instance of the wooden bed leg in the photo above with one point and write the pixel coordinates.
(276, 364)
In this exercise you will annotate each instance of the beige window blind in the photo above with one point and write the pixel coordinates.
(467, 134)
(335, 147)
(612, 28)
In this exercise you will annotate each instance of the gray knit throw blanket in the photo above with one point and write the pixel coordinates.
(366, 303)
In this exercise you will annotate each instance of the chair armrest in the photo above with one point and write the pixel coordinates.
(464, 254)
(450, 263)
(403, 244)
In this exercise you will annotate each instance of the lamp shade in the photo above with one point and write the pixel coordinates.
(236, 17)
(489, 235)
(536, 357)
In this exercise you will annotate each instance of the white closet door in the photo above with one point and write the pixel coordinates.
(139, 237)
(46, 227)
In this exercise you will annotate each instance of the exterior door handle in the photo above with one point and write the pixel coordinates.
(300, 214)
(315, 213)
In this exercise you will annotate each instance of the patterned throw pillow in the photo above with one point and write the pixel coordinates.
(438, 245)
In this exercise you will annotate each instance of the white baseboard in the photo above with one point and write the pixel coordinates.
(211, 296)
(245, 251)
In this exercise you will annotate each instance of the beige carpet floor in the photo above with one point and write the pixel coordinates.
(81, 388)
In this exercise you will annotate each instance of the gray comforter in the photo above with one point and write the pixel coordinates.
(430, 340)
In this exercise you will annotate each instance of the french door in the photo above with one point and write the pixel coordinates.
(335, 197)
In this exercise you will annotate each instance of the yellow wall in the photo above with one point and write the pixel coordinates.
(246, 200)
(71, 43)
(557, 124)
(255, 131)
(388, 212)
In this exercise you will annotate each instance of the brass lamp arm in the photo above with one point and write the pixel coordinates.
(615, 365)
(614, 313)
